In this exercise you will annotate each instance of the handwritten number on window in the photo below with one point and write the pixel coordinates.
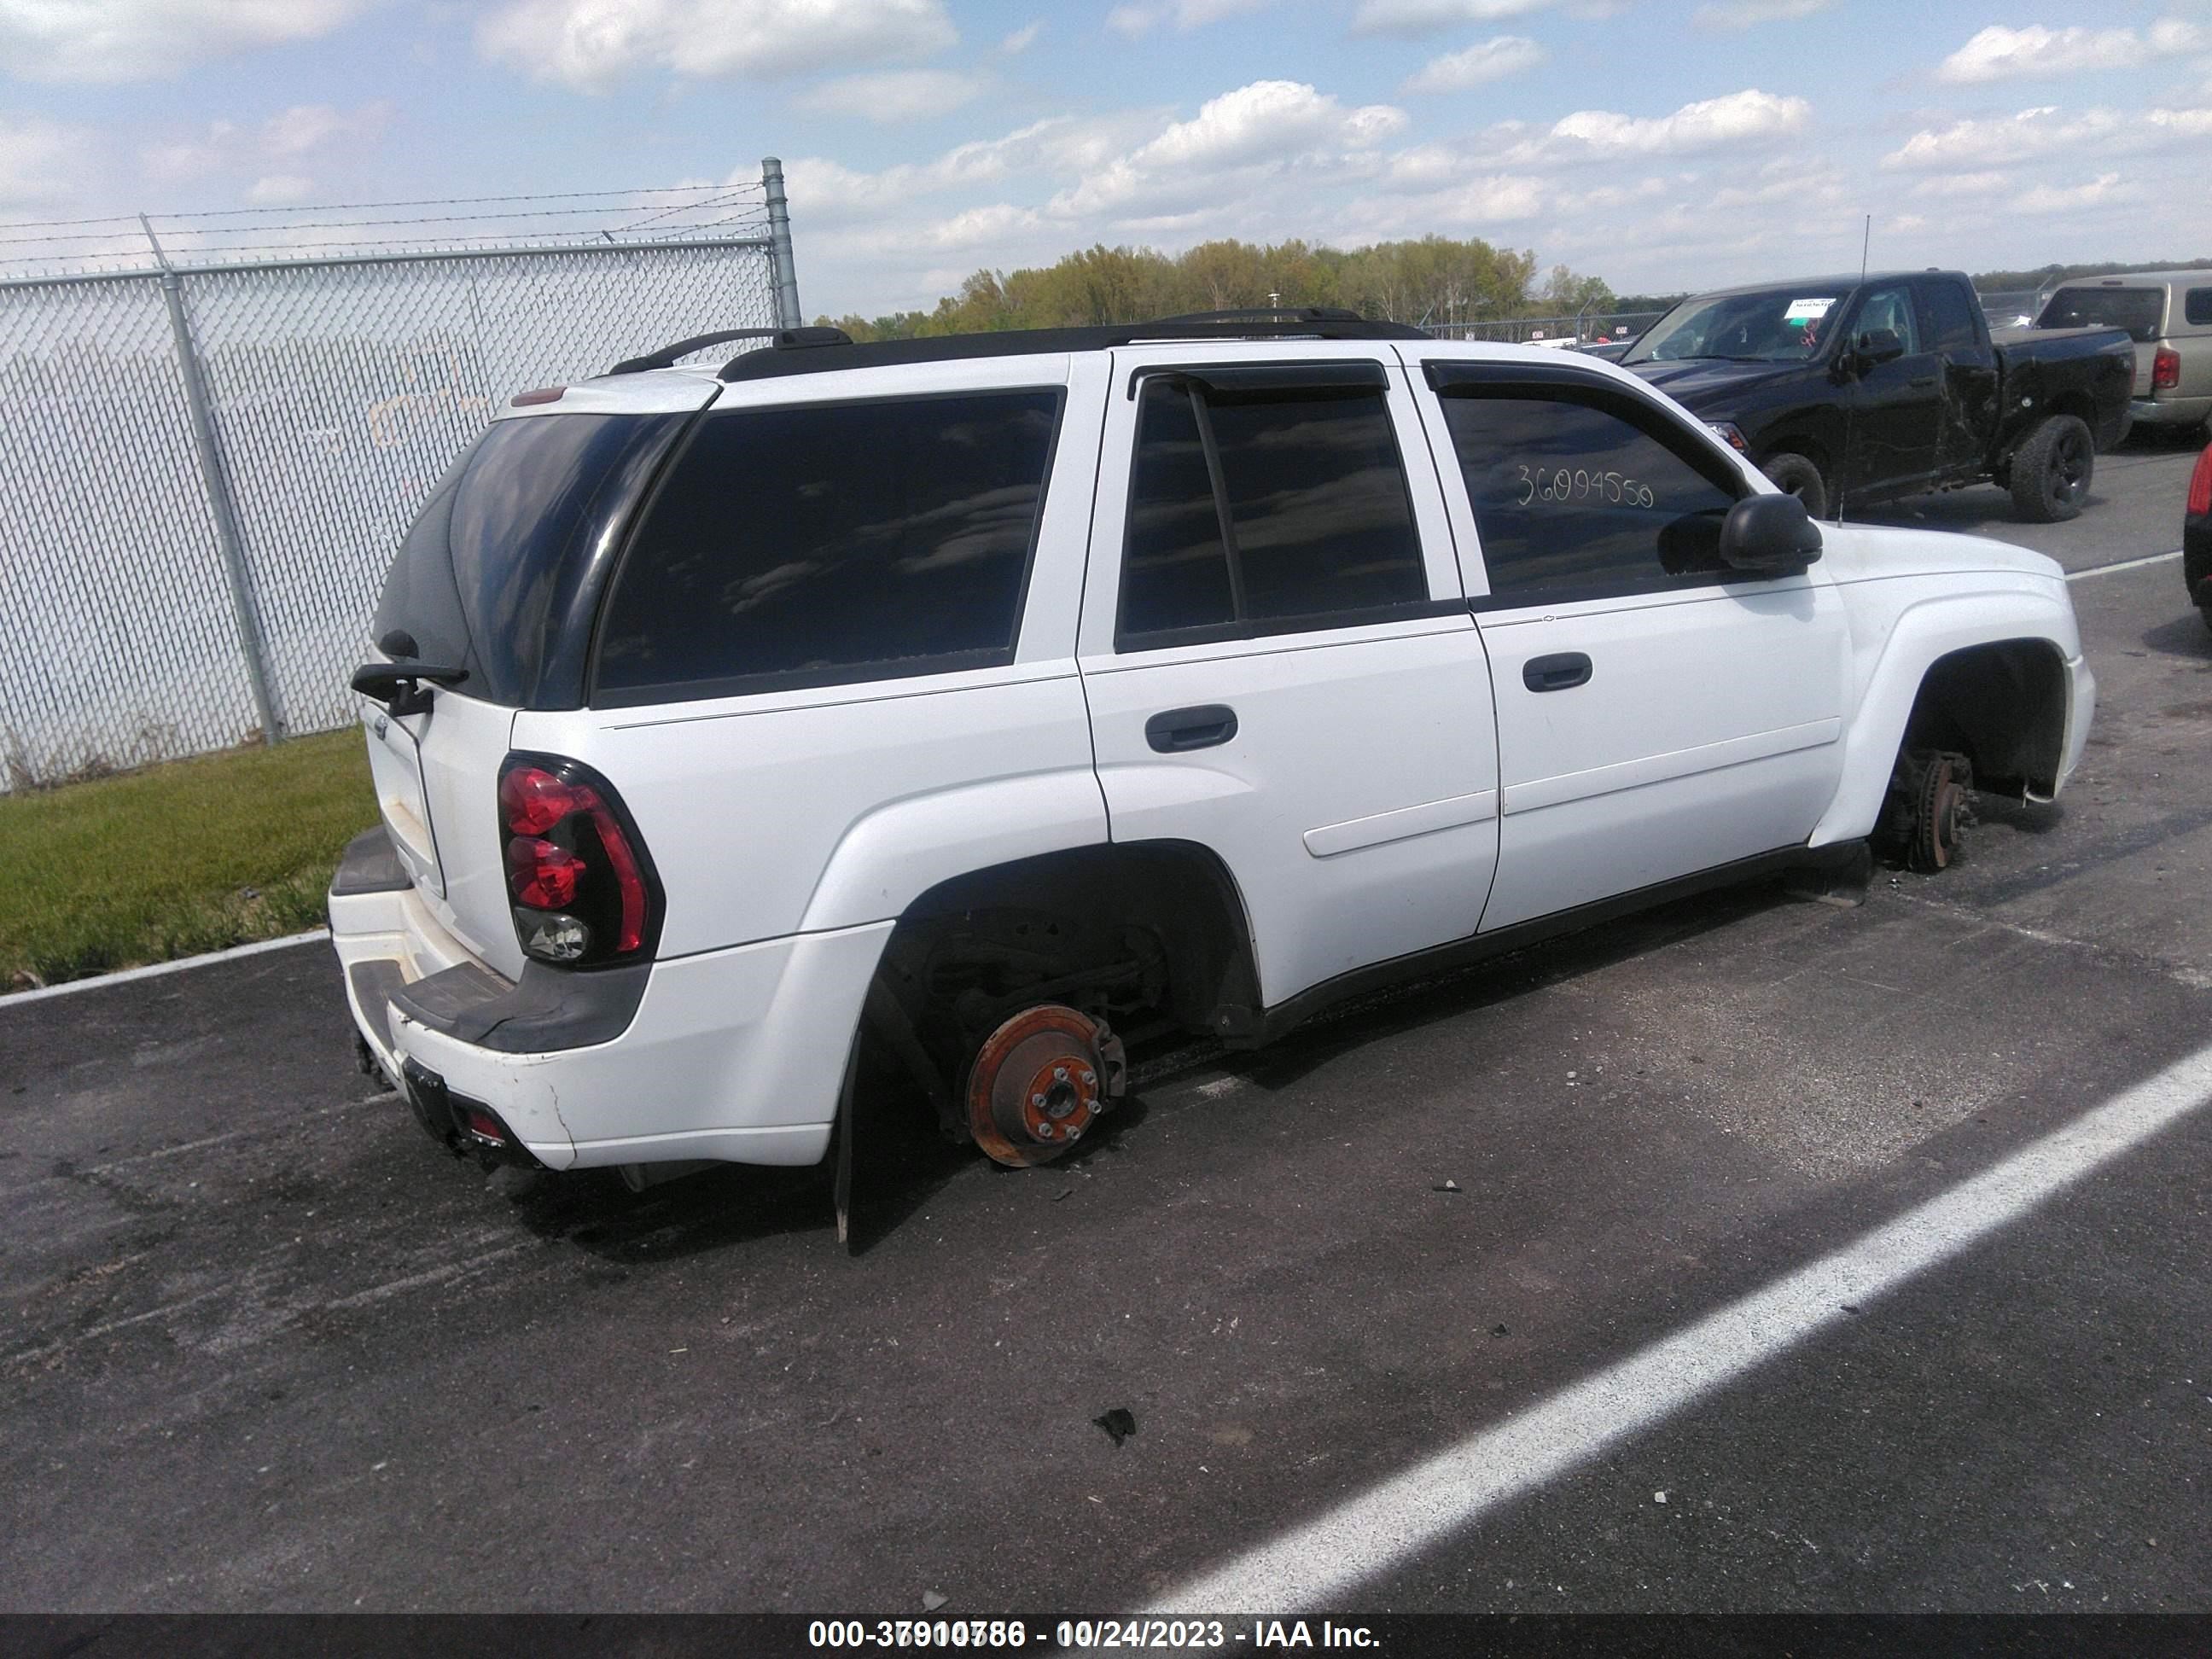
(1578, 485)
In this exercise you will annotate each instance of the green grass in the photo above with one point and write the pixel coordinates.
(194, 855)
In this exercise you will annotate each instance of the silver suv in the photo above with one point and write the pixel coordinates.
(2169, 315)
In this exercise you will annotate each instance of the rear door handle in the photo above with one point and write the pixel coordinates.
(1174, 730)
(1563, 671)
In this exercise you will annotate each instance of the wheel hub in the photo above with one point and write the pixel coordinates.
(1040, 1081)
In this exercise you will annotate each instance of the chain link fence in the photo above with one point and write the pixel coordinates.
(211, 458)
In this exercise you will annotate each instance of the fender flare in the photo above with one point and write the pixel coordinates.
(1924, 633)
(897, 852)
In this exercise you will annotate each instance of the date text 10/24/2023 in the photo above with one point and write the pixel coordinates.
(1085, 1635)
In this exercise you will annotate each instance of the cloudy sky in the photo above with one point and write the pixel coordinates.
(1659, 145)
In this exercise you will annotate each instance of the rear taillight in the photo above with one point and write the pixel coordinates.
(582, 891)
(2200, 485)
(2166, 369)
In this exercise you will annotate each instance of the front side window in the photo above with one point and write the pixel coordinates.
(1265, 511)
(1950, 317)
(1574, 500)
(1889, 308)
(818, 544)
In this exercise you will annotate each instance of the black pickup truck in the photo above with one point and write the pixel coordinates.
(1849, 390)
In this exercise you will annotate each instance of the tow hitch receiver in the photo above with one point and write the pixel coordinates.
(458, 1124)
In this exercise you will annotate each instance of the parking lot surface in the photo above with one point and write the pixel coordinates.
(264, 1346)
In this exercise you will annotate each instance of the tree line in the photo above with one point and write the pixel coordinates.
(1433, 280)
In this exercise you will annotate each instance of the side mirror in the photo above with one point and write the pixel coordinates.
(1880, 345)
(1770, 535)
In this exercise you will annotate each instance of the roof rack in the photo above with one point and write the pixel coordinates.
(817, 351)
(666, 356)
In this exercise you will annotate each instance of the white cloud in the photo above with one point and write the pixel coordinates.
(894, 95)
(1962, 183)
(2000, 53)
(2006, 140)
(1265, 129)
(590, 44)
(280, 188)
(2105, 189)
(1740, 118)
(1186, 15)
(288, 137)
(38, 159)
(827, 193)
(1750, 14)
(1262, 121)
(1022, 39)
(1412, 19)
(120, 41)
(1490, 60)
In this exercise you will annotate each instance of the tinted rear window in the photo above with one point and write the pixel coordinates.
(818, 544)
(489, 576)
(2141, 311)
(1311, 525)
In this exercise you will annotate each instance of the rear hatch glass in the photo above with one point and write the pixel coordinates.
(498, 572)
(2141, 311)
(497, 577)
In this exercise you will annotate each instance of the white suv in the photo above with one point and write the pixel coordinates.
(970, 700)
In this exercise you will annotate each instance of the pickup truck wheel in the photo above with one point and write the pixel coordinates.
(1939, 800)
(1797, 475)
(2050, 472)
(1039, 1081)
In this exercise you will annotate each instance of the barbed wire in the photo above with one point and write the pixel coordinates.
(60, 247)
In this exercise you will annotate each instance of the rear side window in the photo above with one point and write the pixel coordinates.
(1264, 512)
(2141, 311)
(2198, 305)
(1573, 500)
(1950, 317)
(489, 574)
(817, 545)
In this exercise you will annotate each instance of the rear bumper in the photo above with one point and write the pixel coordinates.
(2169, 411)
(734, 1055)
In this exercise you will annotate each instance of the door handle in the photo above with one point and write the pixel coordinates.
(1921, 384)
(1178, 729)
(1561, 672)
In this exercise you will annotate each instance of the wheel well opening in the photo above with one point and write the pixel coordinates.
(2002, 705)
(1151, 937)
(1810, 448)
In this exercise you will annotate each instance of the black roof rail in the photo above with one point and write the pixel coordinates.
(815, 356)
(666, 356)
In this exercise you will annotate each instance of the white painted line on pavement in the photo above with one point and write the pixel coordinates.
(1314, 1565)
(2124, 564)
(159, 967)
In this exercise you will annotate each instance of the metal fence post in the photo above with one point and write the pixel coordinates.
(221, 506)
(787, 314)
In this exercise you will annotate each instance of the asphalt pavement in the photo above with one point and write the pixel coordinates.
(263, 1346)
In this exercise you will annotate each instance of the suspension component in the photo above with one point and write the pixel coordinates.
(1040, 1081)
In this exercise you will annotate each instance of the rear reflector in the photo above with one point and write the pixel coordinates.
(2166, 369)
(484, 1127)
(2200, 485)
